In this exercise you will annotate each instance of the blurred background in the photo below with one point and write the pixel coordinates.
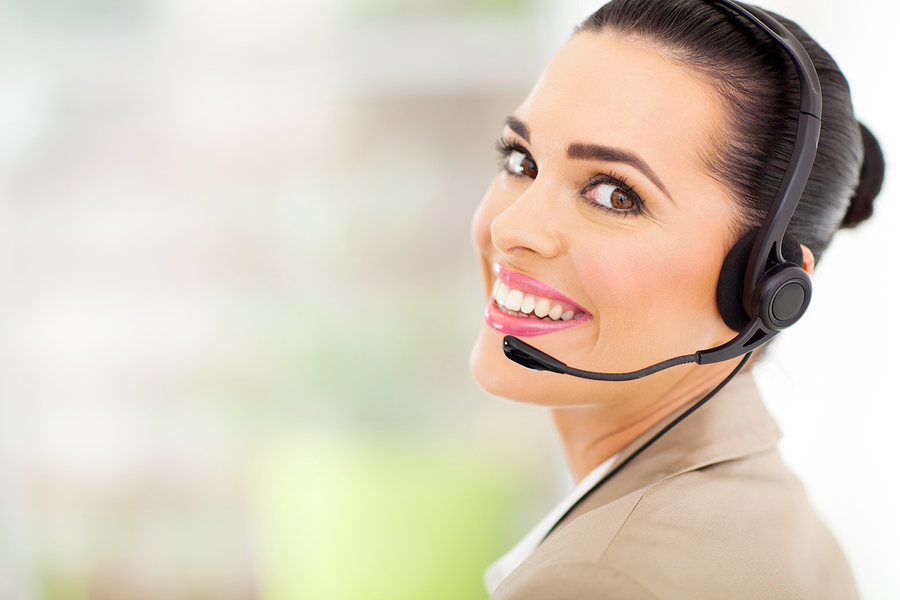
(238, 297)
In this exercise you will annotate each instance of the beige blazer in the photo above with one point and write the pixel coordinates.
(708, 511)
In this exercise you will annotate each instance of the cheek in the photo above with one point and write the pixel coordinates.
(653, 285)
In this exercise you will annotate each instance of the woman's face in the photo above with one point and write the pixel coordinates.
(604, 233)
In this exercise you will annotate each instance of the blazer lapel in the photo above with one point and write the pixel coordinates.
(733, 424)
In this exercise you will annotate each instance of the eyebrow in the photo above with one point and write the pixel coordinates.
(609, 154)
(519, 127)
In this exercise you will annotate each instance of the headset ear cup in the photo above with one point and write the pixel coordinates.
(783, 293)
(731, 283)
(731, 278)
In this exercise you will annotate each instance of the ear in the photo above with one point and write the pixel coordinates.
(809, 261)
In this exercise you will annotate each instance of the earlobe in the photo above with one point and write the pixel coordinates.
(809, 261)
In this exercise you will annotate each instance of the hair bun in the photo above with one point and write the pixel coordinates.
(870, 179)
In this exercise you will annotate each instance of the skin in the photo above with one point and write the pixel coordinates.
(648, 280)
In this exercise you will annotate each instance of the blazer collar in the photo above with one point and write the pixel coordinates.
(731, 425)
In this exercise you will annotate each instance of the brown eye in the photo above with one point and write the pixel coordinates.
(618, 199)
(521, 164)
(610, 196)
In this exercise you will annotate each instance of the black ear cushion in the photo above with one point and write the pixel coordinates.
(731, 283)
(791, 250)
(731, 278)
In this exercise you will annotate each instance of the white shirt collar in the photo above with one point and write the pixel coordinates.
(507, 563)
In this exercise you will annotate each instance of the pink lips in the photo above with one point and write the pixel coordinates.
(531, 325)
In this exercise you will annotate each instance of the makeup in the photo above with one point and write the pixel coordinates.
(526, 307)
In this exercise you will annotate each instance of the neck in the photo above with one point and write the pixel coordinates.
(592, 434)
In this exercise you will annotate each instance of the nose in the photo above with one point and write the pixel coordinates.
(528, 225)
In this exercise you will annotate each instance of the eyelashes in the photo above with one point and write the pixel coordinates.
(505, 149)
(608, 191)
(612, 193)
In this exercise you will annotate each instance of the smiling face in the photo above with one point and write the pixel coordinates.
(602, 237)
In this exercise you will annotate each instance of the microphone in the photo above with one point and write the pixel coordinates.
(754, 335)
(531, 358)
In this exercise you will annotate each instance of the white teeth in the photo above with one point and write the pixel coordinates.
(527, 304)
(513, 313)
(517, 303)
(514, 300)
(502, 293)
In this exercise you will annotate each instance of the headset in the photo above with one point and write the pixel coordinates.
(762, 289)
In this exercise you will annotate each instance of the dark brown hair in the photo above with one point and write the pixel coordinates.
(758, 83)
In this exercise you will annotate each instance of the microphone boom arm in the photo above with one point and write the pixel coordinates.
(530, 357)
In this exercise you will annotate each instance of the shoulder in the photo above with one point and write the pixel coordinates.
(737, 525)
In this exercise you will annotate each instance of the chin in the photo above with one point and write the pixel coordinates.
(501, 377)
(489, 371)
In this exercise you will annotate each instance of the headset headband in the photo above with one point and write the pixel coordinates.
(767, 246)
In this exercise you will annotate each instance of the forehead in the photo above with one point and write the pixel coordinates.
(600, 88)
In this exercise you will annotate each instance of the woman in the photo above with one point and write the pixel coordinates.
(654, 143)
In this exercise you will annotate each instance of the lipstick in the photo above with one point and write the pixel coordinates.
(526, 307)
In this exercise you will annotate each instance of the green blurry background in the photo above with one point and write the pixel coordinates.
(238, 297)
